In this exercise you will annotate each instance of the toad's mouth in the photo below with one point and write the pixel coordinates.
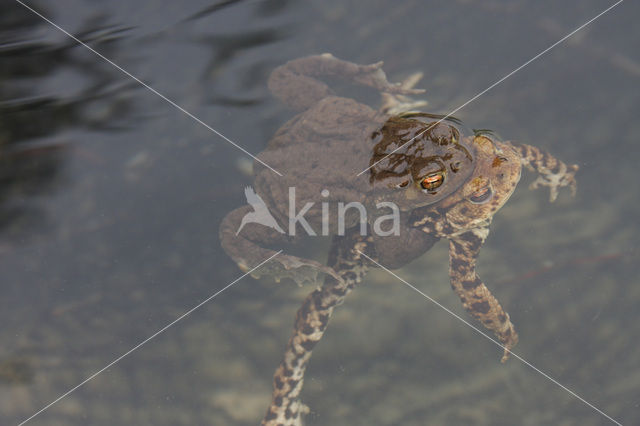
(482, 195)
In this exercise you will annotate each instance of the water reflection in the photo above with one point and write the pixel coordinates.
(263, 8)
(134, 242)
(33, 143)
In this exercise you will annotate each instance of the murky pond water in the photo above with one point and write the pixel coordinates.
(111, 199)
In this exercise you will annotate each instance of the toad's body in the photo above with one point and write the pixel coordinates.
(445, 185)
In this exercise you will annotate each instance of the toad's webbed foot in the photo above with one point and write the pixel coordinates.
(300, 270)
(394, 103)
(552, 172)
(565, 176)
(373, 76)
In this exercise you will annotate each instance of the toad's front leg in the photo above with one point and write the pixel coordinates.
(552, 172)
(312, 319)
(475, 296)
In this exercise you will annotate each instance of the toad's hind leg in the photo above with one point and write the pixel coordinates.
(296, 82)
(243, 243)
(311, 321)
(475, 296)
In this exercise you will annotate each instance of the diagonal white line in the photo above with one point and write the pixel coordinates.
(77, 40)
(497, 83)
(162, 330)
(467, 323)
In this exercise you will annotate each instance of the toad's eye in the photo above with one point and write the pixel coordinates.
(403, 184)
(481, 196)
(432, 181)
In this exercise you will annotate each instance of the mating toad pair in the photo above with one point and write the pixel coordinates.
(445, 185)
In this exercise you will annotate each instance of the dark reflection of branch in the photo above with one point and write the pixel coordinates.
(226, 47)
(236, 102)
(263, 7)
(31, 153)
(212, 9)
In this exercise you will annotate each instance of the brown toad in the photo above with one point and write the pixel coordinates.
(458, 209)
(321, 150)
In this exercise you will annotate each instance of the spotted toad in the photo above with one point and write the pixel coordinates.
(461, 212)
(416, 161)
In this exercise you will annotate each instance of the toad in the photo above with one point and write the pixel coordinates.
(448, 186)
(321, 150)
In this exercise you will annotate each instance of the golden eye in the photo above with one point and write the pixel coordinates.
(432, 181)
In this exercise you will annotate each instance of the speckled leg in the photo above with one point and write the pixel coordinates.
(553, 172)
(311, 321)
(475, 296)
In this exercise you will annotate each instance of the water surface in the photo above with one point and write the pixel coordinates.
(110, 202)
